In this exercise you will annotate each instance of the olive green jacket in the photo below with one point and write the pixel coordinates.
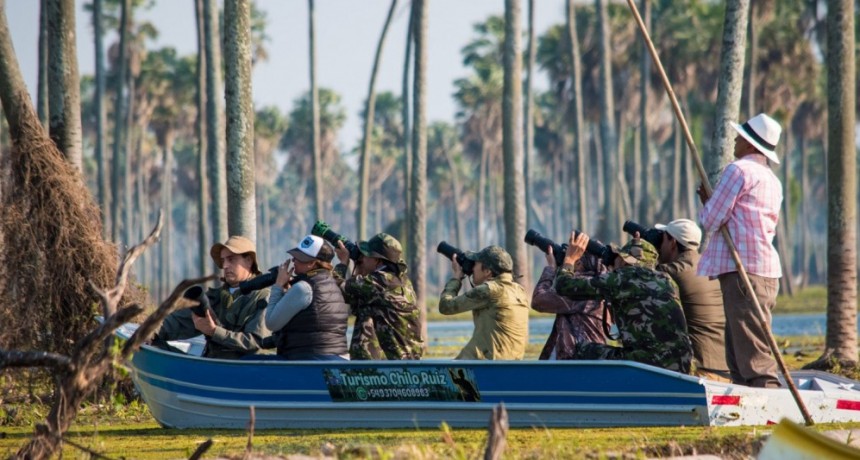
(500, 312)
(240, 326)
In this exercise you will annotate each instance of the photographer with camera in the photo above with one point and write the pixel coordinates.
(306, 310)
(380, 295)
(644, 303)
(499, 306)
(576, 321)
(701, 297)
(237, 328)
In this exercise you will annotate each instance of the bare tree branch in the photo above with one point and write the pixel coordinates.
(34, 359)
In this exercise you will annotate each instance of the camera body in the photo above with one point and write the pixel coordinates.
(602, 252)
(450, 251)
(651, 235)
(324, 231)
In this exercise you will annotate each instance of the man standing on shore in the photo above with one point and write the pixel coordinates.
(747, 200)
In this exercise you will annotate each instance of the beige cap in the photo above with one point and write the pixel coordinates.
(236, 245)
(685, 231)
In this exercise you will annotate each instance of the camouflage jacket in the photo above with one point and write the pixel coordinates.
(500, 312)
(387, 320)
(240, 324)
(646, 309)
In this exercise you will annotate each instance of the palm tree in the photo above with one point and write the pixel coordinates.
(608, 136)
(64, 88)
(731, 82)
(242, 209)
(361, 218)
(841, 340)
(640, 187)
(120, 97)
(215, 135)
(528, 122)
(101, 116)
(201, 135)
(578, 119)
(315, 119)
(417, 216)
(42, 92)
(512, 135)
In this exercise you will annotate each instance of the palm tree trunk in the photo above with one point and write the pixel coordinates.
(608, 136)
(241, 205)
(44, 52)
(418, 220)
(676, 169)
(642, 203)
(805, 216)
(512, 141)
(364, 173)
(578, 119)
(119, 157)
(315, 116)
(729, 89)
(101, 120)
(528, 115)
(215, 135)
(407, 133)
(753, 46)
(482, 187)
(130, 154)
(201, 132)
(165, 245)
(783, 236)
(64, 87)
(841, 341)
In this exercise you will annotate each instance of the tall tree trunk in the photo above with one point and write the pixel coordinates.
(528, 115)
(44, 52)
(101, 120)
(131, 153)
(120, 98)
(578, 120)
(406, 116)
(456, 196)
(418, 216)
(64, 87)
(215, 135)
(201, 132)
(805, 217)
(241, 205)
(512, 141)
(482, 193)
(315, 116)
(642, 202)
(608, 135)
(729, 88)
(676, 169)
(165, 249)
(783, 235)
(751, 112)
(369, 112)
(841, 341)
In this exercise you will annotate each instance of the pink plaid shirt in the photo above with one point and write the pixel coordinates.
(747, 199)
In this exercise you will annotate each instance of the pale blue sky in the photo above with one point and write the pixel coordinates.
(347, 34)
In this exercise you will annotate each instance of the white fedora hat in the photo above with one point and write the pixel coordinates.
(763, 133)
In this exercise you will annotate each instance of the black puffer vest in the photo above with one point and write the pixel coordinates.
(319, 329)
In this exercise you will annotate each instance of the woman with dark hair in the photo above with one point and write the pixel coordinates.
(576, 321)
(306, 307)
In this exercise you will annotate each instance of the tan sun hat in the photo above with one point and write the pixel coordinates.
(686, 232)
(236, 245)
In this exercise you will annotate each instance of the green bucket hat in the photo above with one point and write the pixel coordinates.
(494, 258)
(382, 246)
(637, 252)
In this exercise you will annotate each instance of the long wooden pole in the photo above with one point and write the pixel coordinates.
(774, 348)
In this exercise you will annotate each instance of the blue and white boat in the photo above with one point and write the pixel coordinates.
(186, 391)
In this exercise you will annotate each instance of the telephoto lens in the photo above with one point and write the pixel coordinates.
(450, 251)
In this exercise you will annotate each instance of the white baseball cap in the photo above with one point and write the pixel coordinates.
(686, 232)
(311, 248)
(763, 133)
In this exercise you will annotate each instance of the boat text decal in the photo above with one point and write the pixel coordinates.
(402, 384)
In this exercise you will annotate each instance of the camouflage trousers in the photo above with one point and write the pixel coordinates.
(669, 360)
